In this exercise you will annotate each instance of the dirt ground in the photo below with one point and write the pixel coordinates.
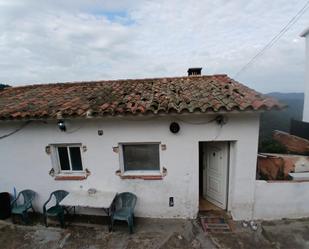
(279, 234)
(149, 233)
(155, 233)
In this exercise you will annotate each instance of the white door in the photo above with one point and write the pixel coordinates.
(215, 163)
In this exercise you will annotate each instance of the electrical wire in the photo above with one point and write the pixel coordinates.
(275, 38)
(174, 117)
(73, 131)
(15, 131)
(196, 123)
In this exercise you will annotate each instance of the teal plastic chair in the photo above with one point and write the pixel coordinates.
(22, 208)
(56, 210)
(124, 205)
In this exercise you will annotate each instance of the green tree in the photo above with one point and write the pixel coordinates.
(2, 86)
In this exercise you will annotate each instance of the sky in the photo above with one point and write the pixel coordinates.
(74, 40)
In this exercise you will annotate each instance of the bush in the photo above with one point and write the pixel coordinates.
(272, 146)
(2, 86)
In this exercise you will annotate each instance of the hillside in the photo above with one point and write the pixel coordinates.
(280, 120)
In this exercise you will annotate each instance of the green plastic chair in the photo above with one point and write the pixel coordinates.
(56, 210)
(124, 205)
(22, 209)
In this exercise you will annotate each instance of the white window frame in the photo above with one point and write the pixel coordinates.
(56, 159)
(139, 172)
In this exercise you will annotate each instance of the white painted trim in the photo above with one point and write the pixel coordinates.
(56, 160)
(141, 173)
(232, 145)
(231, 173)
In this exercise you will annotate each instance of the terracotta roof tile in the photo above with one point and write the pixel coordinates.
(116, 97)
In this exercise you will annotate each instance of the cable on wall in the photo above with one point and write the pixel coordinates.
(196, 123)
(17, 130)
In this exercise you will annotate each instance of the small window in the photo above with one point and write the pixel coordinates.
(141, 157)
(69, 158)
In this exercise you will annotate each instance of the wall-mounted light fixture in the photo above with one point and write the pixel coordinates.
(221, 120)
(61, 125)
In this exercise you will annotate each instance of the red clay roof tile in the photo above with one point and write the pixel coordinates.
(117, 97)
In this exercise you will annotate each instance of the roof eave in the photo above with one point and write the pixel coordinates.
(185, 113)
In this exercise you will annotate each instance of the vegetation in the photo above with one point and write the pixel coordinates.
(272, 146)
(2, 86)
(279, 120)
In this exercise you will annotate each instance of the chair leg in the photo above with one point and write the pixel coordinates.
(130, 223)
(13, 218)
(112, 224)
(61, 219)
(45, 220)
(25, 218)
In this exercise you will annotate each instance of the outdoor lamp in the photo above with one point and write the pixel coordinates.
(61, 125)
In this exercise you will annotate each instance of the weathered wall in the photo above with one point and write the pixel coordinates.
(24, 163)
(282, 199)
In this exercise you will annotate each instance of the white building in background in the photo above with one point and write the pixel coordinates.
(174, 142)
(305, 34)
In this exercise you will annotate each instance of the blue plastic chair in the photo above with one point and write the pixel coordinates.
(22, 209)
(124, 205)
(56, 210)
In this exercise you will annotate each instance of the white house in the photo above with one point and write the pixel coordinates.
(171, 141)
(305, 34)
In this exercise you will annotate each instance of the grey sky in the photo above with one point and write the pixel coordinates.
(55, 41)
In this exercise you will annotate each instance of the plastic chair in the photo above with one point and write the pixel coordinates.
(124, 205)
(56, 210)
(22, 209)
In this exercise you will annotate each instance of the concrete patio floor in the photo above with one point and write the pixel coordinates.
(155, 233)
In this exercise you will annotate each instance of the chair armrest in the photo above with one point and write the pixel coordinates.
(129, 209)
(13, 203)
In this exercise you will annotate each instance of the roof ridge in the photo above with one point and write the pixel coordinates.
(115, 80)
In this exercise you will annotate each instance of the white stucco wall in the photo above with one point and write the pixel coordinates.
(276, 200)
(24, 163)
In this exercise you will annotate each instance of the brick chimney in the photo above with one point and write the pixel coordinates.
(194, 71)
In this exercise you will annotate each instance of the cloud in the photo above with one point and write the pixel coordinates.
(53, 41)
